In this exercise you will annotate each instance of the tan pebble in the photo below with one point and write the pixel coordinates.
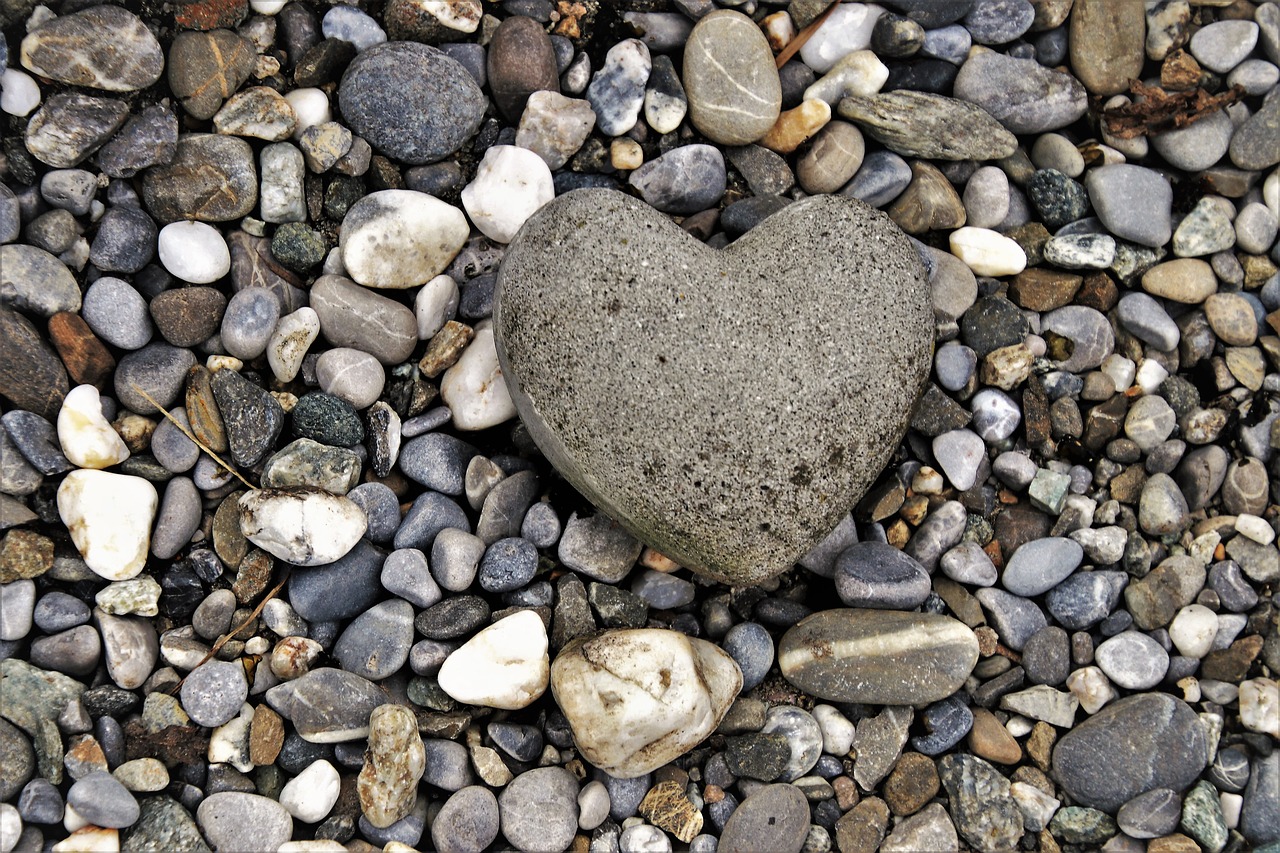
(794, 127)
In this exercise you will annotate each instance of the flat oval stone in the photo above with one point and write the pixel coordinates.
(71, 126)
(105, 47)
(921, 124)
(327, 705)
(521, 61)
(212, 178)
(31, 375)
(1132, 746)
(410, 101)
(774, 817)
(730, 79)
(880, 657)
(307, 527)
(574, 296)
(33, 280)
(353, 316)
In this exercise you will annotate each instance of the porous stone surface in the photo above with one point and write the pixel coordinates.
(839, 391)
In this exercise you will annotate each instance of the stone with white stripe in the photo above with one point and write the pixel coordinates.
(879, 657)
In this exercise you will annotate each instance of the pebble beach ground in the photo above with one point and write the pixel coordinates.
(338, 599)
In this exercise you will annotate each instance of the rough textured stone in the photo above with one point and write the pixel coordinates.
(840, 382)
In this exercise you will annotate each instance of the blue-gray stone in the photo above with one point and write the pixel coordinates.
(430, 513)
(1041, 564)
(751, 647)
(340, 590)
(877, 575)
(684, 180)
(508, 564)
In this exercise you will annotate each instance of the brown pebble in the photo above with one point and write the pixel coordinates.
(1040, 744)
(712, 794)
(911, 785)
(209, 14)
(206, 68)
(31, 376)
(84, 756)
(863, 826)
(1048, 844)
(445, 348)
(796, 126)
(521, 61)
(1232, 663)
(24, 555)
(846, 792)
(228, 539)
(85, 357)
(1179, 71)
(1041, 289)
(667, 807)
(987, 640)
(990, 740)
(187, 316)
(202, 410)
(1176, 843)
(1098, 292)
(929, 203)
(266, 736)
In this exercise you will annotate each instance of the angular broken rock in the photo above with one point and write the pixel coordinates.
(880, 657)
(637, 699)
(327, 705)
(303, 526)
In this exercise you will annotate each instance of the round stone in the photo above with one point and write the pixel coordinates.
(730, 79)
(546, 278)
(410, 101)
(873, 574)
(214, 691)
(400, 238)
(1132, 660)
(194, 252)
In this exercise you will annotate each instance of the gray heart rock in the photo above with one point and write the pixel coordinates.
(727, 407)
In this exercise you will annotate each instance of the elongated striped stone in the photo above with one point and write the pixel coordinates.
(880, 657)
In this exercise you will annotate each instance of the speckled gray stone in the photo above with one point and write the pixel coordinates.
(599, 293)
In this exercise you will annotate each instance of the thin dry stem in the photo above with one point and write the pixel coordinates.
(804, 35)
(216, 458)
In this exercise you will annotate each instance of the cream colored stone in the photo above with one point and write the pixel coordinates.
(860, 74)
(87, 439)
(1260, 706)
(400, 238)
(109, 517)
(474, 388)
(504, 666)
(987, 252)
(306, 527)
(637, 699)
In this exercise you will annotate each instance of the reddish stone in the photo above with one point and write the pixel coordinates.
(84, 355)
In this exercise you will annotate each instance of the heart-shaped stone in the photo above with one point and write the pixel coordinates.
(727, 407)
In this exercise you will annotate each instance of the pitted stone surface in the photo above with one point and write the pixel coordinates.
(599, 292)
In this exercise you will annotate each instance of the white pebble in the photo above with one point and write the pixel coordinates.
(401, 238)
(311, 106)
(474, 388)
(848, 29)
(859, 74)
(435, 305)
(194, 252)
(837, 731)
(1121, 370)
(1150, 376)
(504, 666)
(1019, 726)
(1231, 804)
(311, 795)
(1260, 706)
(987, 252)
(229, 742)
(1193, 630)
(1092, 687)
(109, 517)
(321, 845)
(294, 335)
(510, 185)
(10, 827)
(461, 16)
(306, 527)
(89, 839)
(19, 94)
(87, 439)
(267, 7)
(1255, 528)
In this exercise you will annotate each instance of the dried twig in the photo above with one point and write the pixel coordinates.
(1156, 110)
(216, 458)
(804, 35)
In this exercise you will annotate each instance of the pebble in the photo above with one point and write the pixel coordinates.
(213, 692)
(352, 375)
(774, 817)
(554, 126)
(1222, 45)
(327, 705)
(617, 90)
(848, 29)
(109, 517)
(1132, 660)
(1021, 94)
(876, 575)
(734, 95)
(987, 252)
(233, 820)
(1152, 740)
(306, 527)
(503, 666)
(376, 643)
(394, 762)
(510, 185)
(671, 691)
(1039, 566)
(538, 810)
(476, 401)
(469, 820)
(443, 100)
(36, 281)
(210, 178)
(1132, 202)
(425, 232)
(941, 652)
(684, 180)
(100, 799)
(70, 126)
(86, 437)
(921, 124)
(311, 795)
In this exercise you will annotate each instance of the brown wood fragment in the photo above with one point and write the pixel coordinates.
(1157, 111)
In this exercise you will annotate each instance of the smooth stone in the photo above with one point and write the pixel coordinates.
(213, 692)
(684, 180)
(877, 656)
(109, 517)
(731, 83)
(554, 126)
(206, 68)
(70, 126)
(522, 300)
(1016, 619)
(194, 252)
(210, 178)
(394, 762)
(774, 817)
(1254, 143)
(510, 185)
(125, 241)
(31, 374)
(311, 795)
(376, 643)
(922, 124)
(859, 74)
(875, 575)
(521, 61)
(539, 810)
(846, 30)
(1222, 45)
(352, 375)
(149, 138)
(1133, 202)
(260, 112)
(251, 416)
(503, 666)
(103, 47)
(1021, 94)
(353, 316)
(1107, 44)
(469, 388)
(1040, 565)
(1132, 660)
(1150, 741)
(410, 101)
(248, 322)
(101, 800)
(35, 281)
(617, 90)
(668, 692)
(233, 820)
(400, 239)
(306, 527)
(86, 436)
(1197, 146)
